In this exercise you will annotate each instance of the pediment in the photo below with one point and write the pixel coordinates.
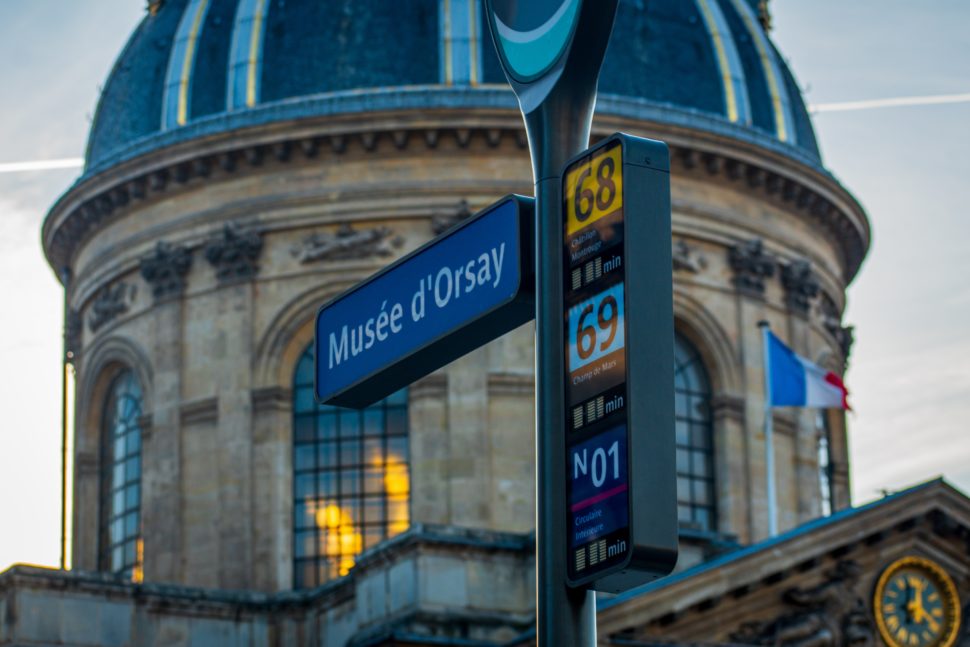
(810, 586)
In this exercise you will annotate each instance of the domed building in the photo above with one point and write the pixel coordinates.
(251, 159)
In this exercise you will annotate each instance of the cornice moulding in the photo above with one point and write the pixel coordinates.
(798, 184)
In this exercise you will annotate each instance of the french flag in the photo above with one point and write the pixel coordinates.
(793, 381)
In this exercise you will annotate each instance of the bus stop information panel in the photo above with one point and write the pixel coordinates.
(618, 383)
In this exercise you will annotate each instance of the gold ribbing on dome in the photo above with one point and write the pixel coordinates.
(459, 42)
(245, 54)
(474, 42)
(780, 104)
(255, 38)
(730, 99)
(736, 101)
(446, 28)
(178, 80)
(183, 108)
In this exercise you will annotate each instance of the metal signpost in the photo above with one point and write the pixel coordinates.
(461, 290)
(552, 51)
(594, 269)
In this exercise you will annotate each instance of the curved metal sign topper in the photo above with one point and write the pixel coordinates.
(531, 36)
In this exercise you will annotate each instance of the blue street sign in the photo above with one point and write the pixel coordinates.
(463, 289)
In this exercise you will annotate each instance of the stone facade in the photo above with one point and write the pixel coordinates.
(811, 586)
(426, 586)
(197, 256)
(217, 357)
(437, 585)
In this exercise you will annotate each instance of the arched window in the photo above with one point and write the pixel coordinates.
(120, 527)
(351, 483)
(694, 432)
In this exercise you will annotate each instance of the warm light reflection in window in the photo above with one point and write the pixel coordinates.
(351, 482)
(120, 510)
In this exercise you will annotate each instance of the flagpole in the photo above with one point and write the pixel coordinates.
(769, 434)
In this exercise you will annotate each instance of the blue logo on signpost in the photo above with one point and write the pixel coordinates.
(532, 35)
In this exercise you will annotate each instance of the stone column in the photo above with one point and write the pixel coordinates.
(752, 266)
(731, 465)
(801, 288)
(272, 474)
(429, 444)
(162, 450)
(468, 466)
(234, 254)
(165, 270)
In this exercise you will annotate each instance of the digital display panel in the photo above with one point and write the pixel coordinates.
(596, 337)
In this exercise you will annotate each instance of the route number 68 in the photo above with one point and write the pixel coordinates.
(594, 189)
(596, 327)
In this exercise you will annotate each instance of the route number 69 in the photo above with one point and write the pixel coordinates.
(596, 327)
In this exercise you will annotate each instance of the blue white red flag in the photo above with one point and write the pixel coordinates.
(796, 382)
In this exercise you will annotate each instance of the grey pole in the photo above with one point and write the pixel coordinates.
(564, 617)
(557, 104)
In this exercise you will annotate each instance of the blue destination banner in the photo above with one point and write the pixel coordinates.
(598, 490)
(461, 290)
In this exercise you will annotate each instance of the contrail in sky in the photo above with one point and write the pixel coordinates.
(41, 165)
(890, 103)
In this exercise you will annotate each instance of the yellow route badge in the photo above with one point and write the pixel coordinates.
(594, 189)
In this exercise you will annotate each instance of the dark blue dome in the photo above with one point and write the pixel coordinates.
(197, 67)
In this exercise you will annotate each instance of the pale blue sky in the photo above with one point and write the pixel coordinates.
(910, 370)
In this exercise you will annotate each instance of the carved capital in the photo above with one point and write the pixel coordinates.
(442, 221)
(751, 266)
(112, 301)
(234, 253)
(686, 258)
(165, 270)
(347, 243)
(800, 284)
(832, 321)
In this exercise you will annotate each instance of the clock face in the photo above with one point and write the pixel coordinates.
(916, 605)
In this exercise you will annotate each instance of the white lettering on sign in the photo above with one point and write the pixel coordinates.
(445, 286)
(599, 464)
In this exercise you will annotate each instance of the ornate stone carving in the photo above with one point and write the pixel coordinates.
(234, 253)
(800, 284)
(751, 265)
(443, 221)
(686, 258)
(832, 321)
(347, 243)
(831, 614)
(112, 300)
(165, 270)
